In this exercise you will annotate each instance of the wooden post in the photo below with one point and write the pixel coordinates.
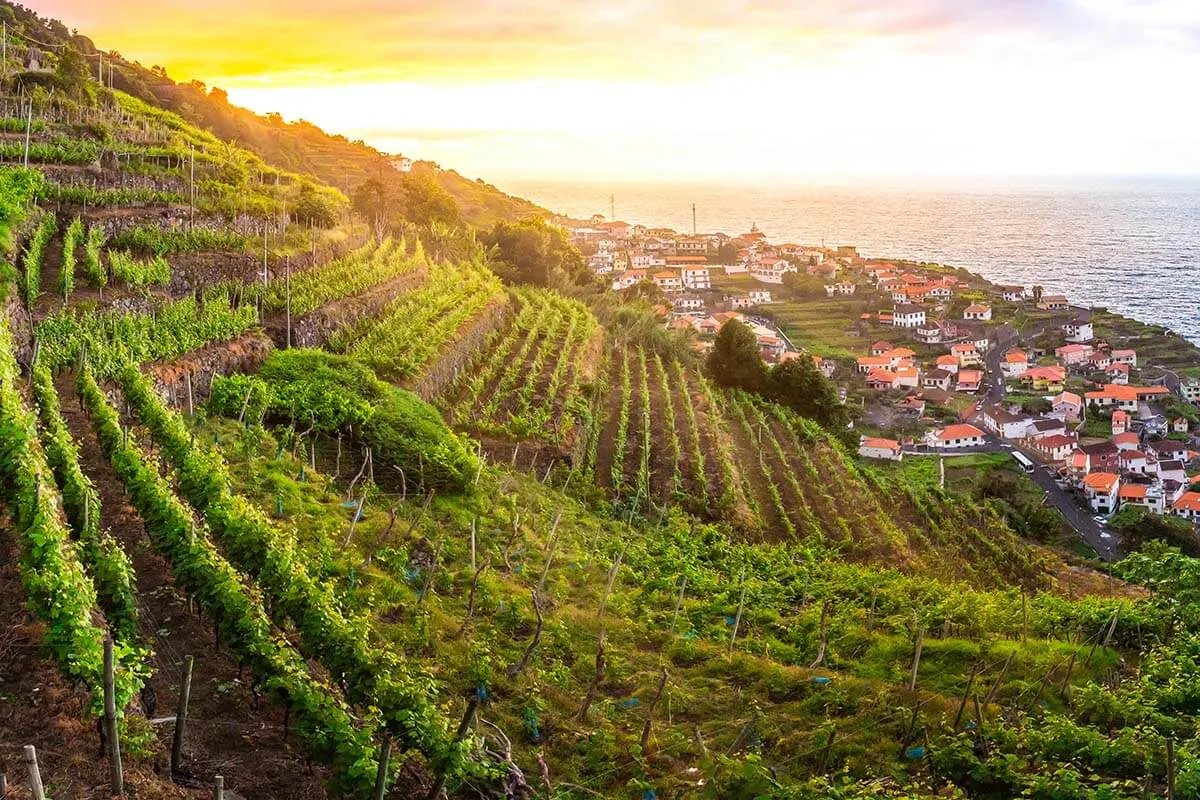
(966, 693)
(678, 603)
(1065, 689)
(185, 693)
(219, 788)
(287, 289)
(821, 647)
(991, 695)
(1170, 769)
(471, 597)
(439, 784)
(825, 751)
(428, 585)
(597, 679)
(116, 774)
(474, 524)
(516, 669)
(187, 379)
(916, 664)
(549, 551)
(381, 775)
(612, 577)
(737, 620)
(662, 682)
(1112, 627)
(29, 756)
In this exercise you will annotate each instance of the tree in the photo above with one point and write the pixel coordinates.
(533, 251)
(735, 361)
(800, 286)
(425, 202)
(73, 76)
(800, 386)
(314, 208)
(1138, 528)
(375, 201)
(1037, 294)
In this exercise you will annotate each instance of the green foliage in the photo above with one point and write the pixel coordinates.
(93, 264)
(34, 254)
(734, 361)
(316, 207)
(152, 239)
(1138, 527)
(533, 251)
(107, 564)
(800, 386)
(321, 721)
(336, 394)
(18, 187)
(92, 197)
(414, 327)
(137, 273)
(427, 203)
(60, 593)
(59, 150)
(72, 238)
(115, 339)
(371, 677)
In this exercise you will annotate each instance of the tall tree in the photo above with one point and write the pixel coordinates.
(533, 251)
(800, 386)
(735, 361)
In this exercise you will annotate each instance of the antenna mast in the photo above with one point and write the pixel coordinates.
(693, 219)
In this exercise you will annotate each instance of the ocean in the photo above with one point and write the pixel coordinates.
(1131, 245)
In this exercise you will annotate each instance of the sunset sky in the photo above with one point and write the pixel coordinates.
(693, 89)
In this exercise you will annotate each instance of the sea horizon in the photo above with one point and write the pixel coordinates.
(1127, 243)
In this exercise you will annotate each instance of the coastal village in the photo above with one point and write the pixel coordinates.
(940, 361)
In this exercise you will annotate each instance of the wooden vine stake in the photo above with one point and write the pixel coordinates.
(541, 585)
(737, 620)
(185, 693)
(381, 775)
(472, 705)
(29, 756)
(116, 774)
(219, 788)
(516, 669)
(821, 647)
(597, 679)
(658, 693)
(916, 664)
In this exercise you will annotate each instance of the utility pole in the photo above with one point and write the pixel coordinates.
(28, 128)
(612, 208)
(693, 219)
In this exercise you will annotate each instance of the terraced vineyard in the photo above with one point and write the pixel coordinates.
(705, 596)
(529, 379)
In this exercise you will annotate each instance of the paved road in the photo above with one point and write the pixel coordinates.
(1079, 517)
(997, 391)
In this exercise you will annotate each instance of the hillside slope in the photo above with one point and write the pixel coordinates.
(587, 571)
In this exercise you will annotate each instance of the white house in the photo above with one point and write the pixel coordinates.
(840, 289)
(1101, 490)
(978, 311)
(873, 447)
(908, 316)
(668, 281)
(760, 296)
(1013, 294)
(958, 436)
(1014, 363)
(1188, 506)
(967, 353)
(1125, 357)
(696, 278)
(687, 302)
(937, 378)
(1078, 331)
(1004, 423)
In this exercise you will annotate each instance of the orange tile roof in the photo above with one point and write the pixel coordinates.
(961, 431)
(1132, 491)
(1015, 357)
(1190, 501)
(1101, 481)
(1129, 437)
(885, 444)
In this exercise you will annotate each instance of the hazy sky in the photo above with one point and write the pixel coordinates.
(751, 89)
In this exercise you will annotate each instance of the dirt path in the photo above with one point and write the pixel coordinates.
(227, 734)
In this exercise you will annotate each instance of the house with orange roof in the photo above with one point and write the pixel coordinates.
(1101, 490)
(969, 381)
(629, 277)
(1188, 506)
(958, 436)
(909, 294)
(1053, 302)
(874, 447)
(1057, 448)
(908, 376)
(1127, 440)
(978, 311)
(1044, 379)
(1072, 354)
(1117, 373)
(1124, 398)
(1147, 496)
(1120, 423)
(880, 347)
(881, 379)
(966, 353)
(668, 280)
(1134, 461)
(1015, 362)
(1100, 361)
(1067, 406)
(1125, 356)
(948, 363)
(868, 363)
